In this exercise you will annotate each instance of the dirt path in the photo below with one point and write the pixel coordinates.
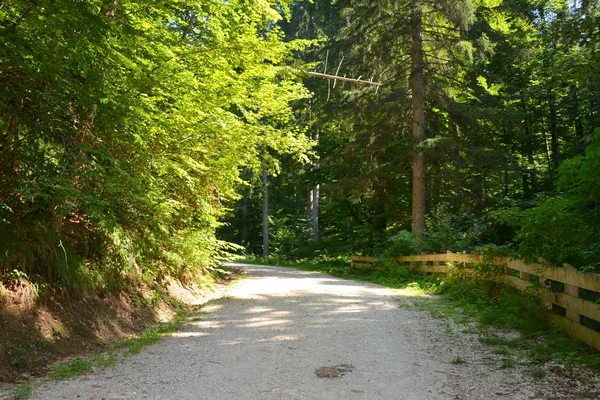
(288, 334)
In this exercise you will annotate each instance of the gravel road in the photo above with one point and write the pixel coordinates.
(288, 334)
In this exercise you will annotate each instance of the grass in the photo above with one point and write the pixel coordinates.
(538, 372)
(106, 360)
(508, 363)
(21, 392)
(78, 366)
(480, 306)
(148, 337)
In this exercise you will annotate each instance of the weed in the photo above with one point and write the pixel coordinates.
(538, 372)
(155, 296)
(503, 350)
(105, 360)
(19, 279)
(458, 360)
(22, 391)
(18, 356)
(59, 331)
(148, 337)
(508, 363)
(72, 368)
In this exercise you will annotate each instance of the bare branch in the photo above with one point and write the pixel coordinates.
(342, 78)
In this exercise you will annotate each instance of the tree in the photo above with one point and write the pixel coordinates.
(509, 91)
(124, 127)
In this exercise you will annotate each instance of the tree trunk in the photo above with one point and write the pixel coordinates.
(314, 217)
(380, 221)
(418, 122)
(554, 136)
(265, 211)
(314, 202)
(245, 211)
(578, 120)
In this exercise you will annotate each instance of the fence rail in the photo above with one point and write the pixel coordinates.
(522, 275)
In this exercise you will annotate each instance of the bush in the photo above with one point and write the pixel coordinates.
(564, 228)
(446, 231)
(402, 243)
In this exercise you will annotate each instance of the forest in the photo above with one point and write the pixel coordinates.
(146, 140)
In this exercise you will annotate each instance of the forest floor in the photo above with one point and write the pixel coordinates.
(282, 333)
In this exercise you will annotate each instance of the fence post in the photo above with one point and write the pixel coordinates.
(572, 291)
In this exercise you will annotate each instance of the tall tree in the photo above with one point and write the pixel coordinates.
(124, 127)
(418, 119)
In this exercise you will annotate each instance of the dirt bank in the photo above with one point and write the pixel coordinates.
(33, 335)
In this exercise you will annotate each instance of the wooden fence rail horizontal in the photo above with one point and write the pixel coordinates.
(522, 275)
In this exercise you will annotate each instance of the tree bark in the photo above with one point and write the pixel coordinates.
(578, 120)
(380, 220)
(314, 213)
(265, 211)
(245, 212)
(554, 146)
(418, 122)
(314, 201)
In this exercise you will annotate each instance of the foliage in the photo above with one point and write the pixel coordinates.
(18, 356)
(403, 243)
(510, 102)
(564, 228)
(123, 127)
(510, 309)
(456, 233)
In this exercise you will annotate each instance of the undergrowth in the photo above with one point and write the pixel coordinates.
(465, 301)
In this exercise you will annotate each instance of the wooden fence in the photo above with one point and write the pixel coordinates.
(538, 278)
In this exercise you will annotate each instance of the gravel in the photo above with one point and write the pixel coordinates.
(286, 334)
